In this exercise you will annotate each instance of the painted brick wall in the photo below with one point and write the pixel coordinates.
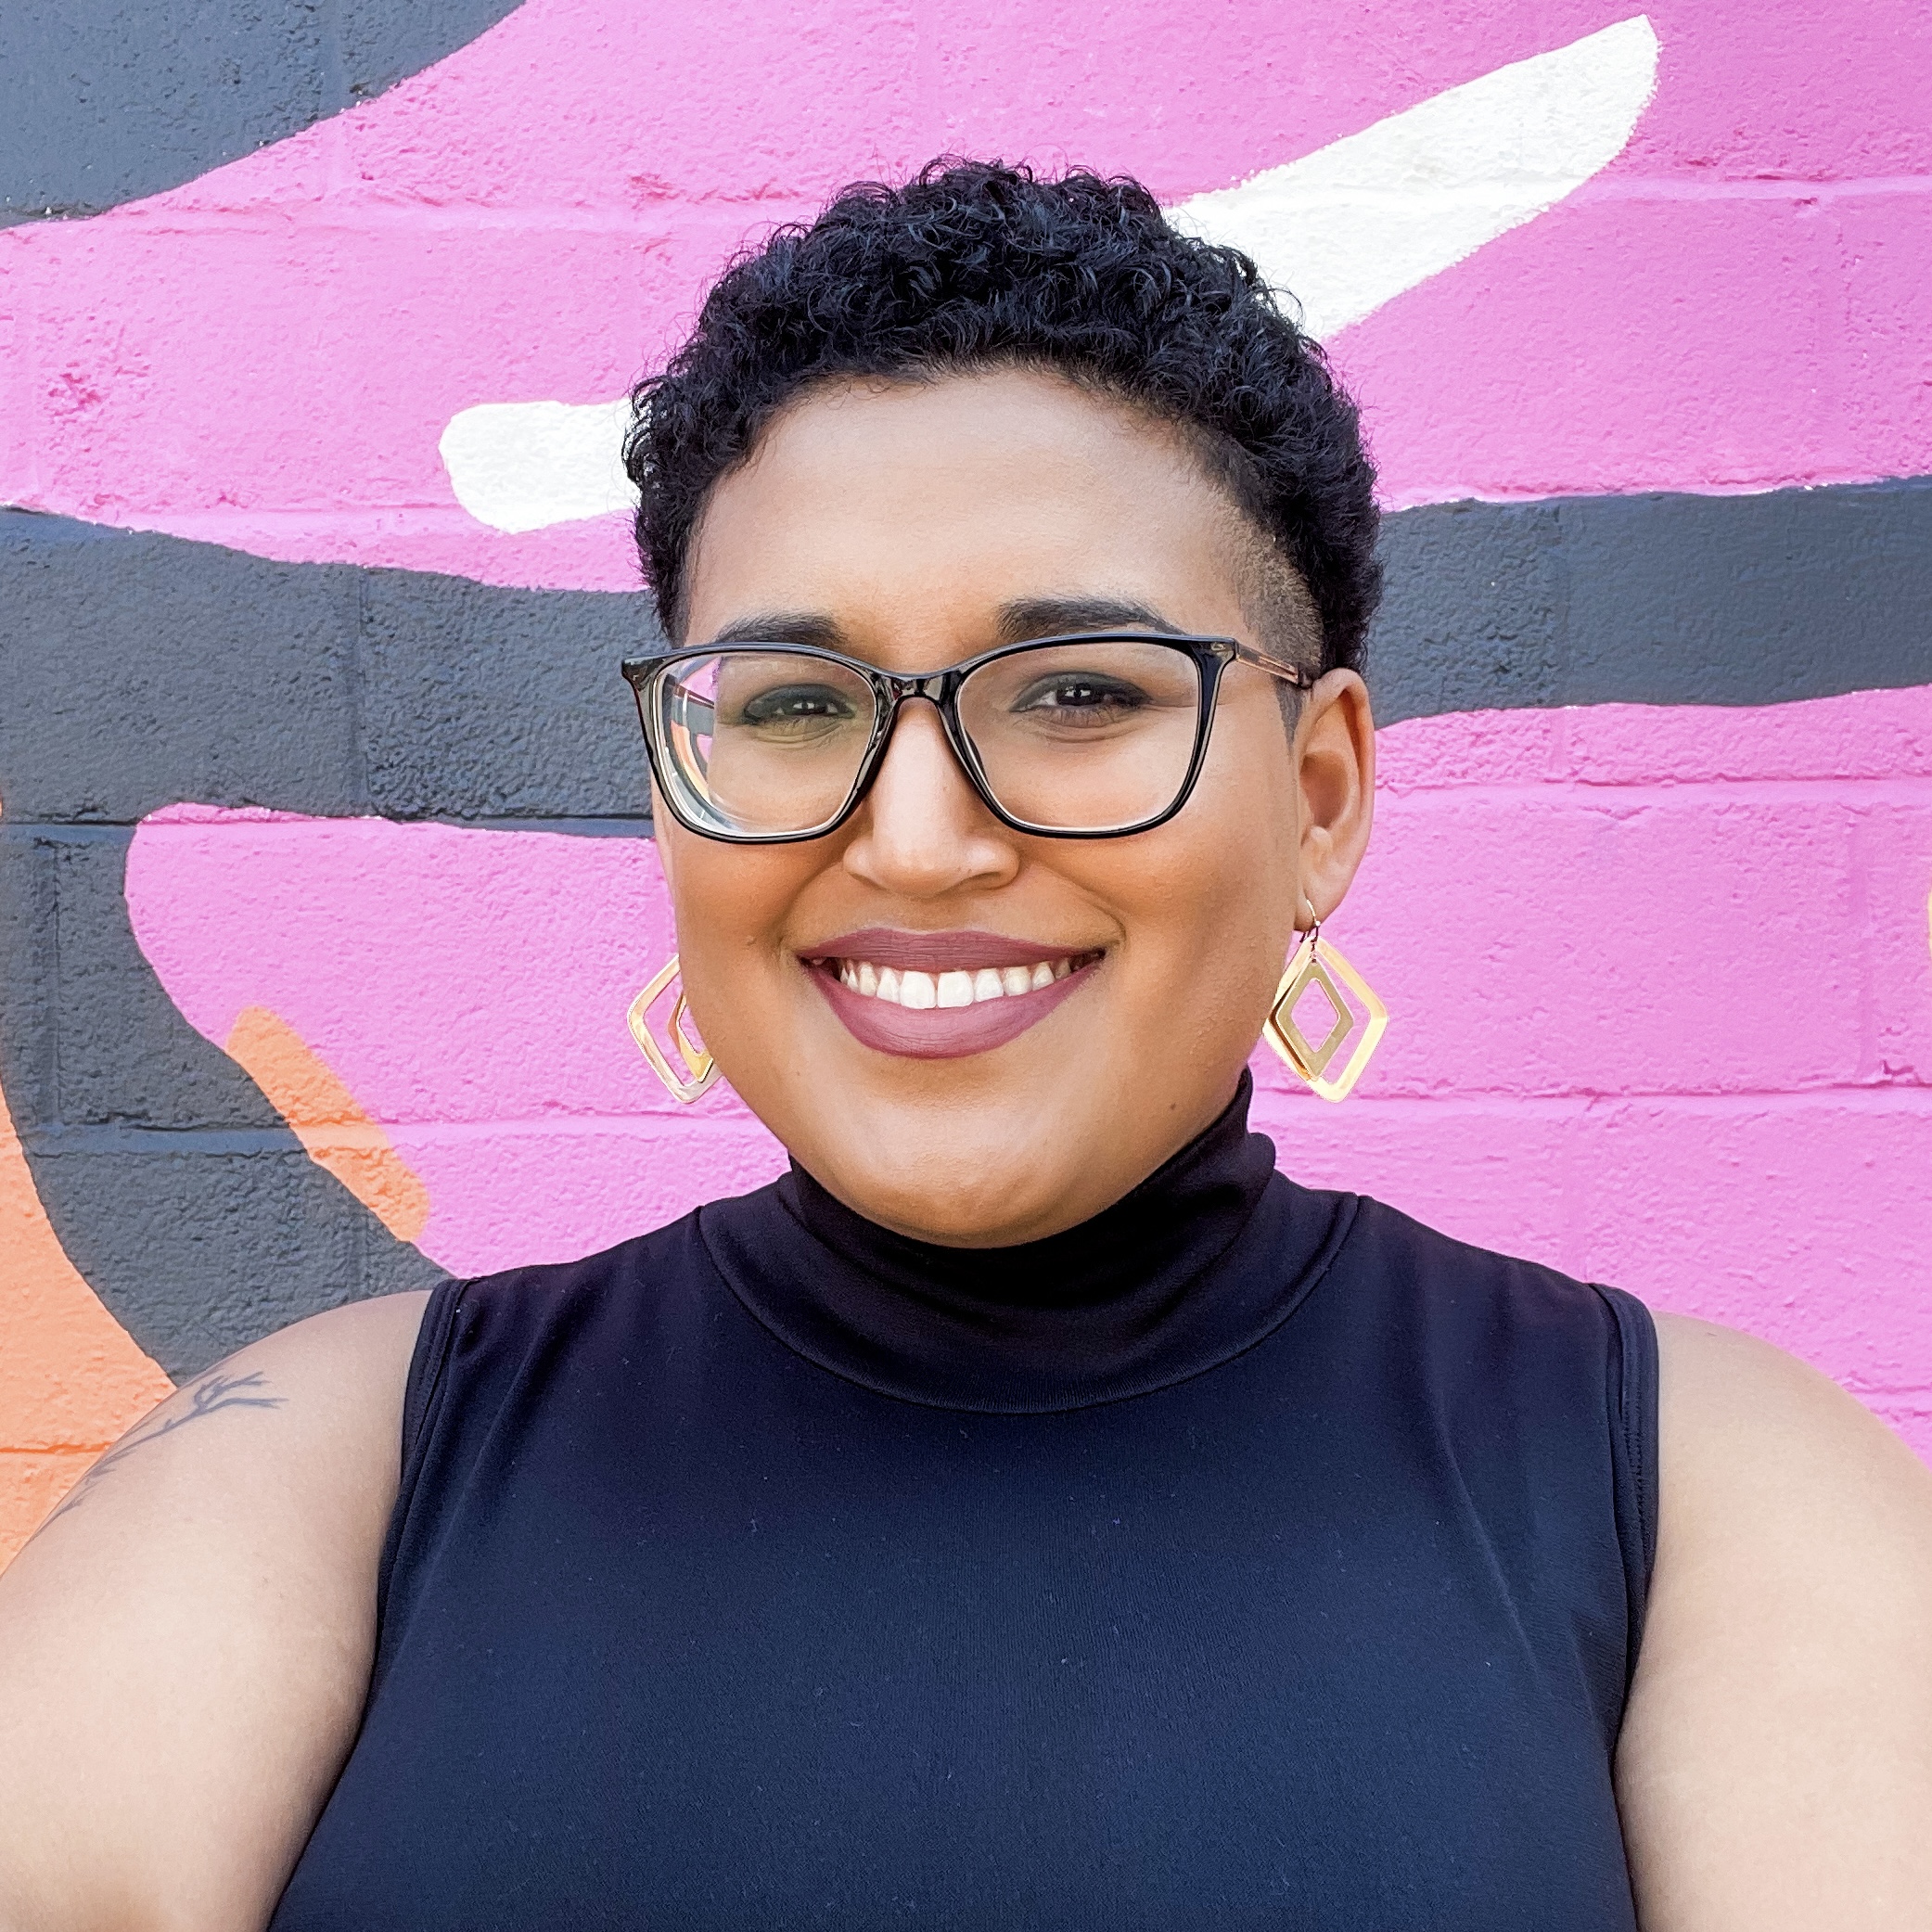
(324, 869)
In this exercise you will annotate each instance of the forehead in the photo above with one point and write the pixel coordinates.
(924, 508)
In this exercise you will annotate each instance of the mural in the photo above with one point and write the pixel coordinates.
(326, 870)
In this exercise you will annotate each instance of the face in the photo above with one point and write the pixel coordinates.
(914, 525)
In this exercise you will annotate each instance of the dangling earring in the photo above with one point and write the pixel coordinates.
(1312, 965)
(697, 1061)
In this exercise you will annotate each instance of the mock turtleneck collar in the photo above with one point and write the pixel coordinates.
(1208, 1255)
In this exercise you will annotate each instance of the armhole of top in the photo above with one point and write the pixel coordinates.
(419, 1401)
(1636, 1393)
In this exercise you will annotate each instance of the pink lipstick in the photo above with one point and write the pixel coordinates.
(943, 995)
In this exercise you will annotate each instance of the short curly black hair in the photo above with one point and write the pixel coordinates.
(974, 265)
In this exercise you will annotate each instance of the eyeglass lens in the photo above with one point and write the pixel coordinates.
(1075, 737)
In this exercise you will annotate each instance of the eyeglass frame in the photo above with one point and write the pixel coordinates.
(891, 690)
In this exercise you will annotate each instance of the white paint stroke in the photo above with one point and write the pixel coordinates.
(1343, 230)
(1362, 221)
(525, 466)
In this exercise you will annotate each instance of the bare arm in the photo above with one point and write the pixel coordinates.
(1775, 1768)
(185, 1646)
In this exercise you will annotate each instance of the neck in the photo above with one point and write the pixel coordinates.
(1189, 1268)
(1230, 1117)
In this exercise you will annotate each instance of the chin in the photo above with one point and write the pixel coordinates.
(953, 1197)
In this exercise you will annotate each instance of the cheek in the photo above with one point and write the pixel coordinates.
(1206, 906)
(730, 902)
(1231, 857)
(1214, 909)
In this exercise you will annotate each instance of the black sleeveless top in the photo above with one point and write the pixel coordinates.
(1248, 1556)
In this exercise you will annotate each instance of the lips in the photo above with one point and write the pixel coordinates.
(943, 995)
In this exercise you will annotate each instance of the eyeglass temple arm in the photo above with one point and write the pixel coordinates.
(1277, 667)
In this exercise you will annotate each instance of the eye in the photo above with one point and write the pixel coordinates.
(796, 704)
(1071, 694)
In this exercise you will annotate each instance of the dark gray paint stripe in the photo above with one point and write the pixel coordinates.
(141, 670)
(1656, 599)
(136, 671)
(103, 101)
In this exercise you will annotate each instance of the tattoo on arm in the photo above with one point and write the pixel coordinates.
(213, 1392)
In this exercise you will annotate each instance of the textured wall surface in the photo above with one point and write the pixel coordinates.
(325, 868)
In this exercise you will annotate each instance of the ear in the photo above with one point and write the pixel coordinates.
(1335, 771)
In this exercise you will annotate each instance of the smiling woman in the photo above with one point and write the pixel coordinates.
(1034, 1509)
(928, 524)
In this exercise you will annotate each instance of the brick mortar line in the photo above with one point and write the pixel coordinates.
(1909, 787)
(1876, 1097)
(1646, 794)
(1878, 1100)
(437, 517)
(96, 831)
(348, 210)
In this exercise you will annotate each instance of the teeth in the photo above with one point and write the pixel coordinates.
(923, 991)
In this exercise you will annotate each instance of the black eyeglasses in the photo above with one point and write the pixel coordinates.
(1092, 736)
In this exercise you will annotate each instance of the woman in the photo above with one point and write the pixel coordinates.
(1035, 1510)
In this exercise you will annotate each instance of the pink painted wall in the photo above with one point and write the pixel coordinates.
(267, 357)
(1666, 1018)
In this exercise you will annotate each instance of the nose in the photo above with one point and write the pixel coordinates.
(923, 831)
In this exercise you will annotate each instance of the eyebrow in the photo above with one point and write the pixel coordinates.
(1020, 619)
(809, 627)
(1027, 618)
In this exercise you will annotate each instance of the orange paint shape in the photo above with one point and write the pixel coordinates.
(327, 1120)
(71, 1378)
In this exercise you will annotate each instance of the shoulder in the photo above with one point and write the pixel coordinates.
(202, 1601)
(1543, 1386)
(1788, 1512)
(1483, 1309)
(333, 1380)
(1774, 1768)
(611, 1299)
(1790, 1515)
(1756, 1445)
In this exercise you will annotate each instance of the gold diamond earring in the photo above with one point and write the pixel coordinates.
(1315, 966)
(697, 1061)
